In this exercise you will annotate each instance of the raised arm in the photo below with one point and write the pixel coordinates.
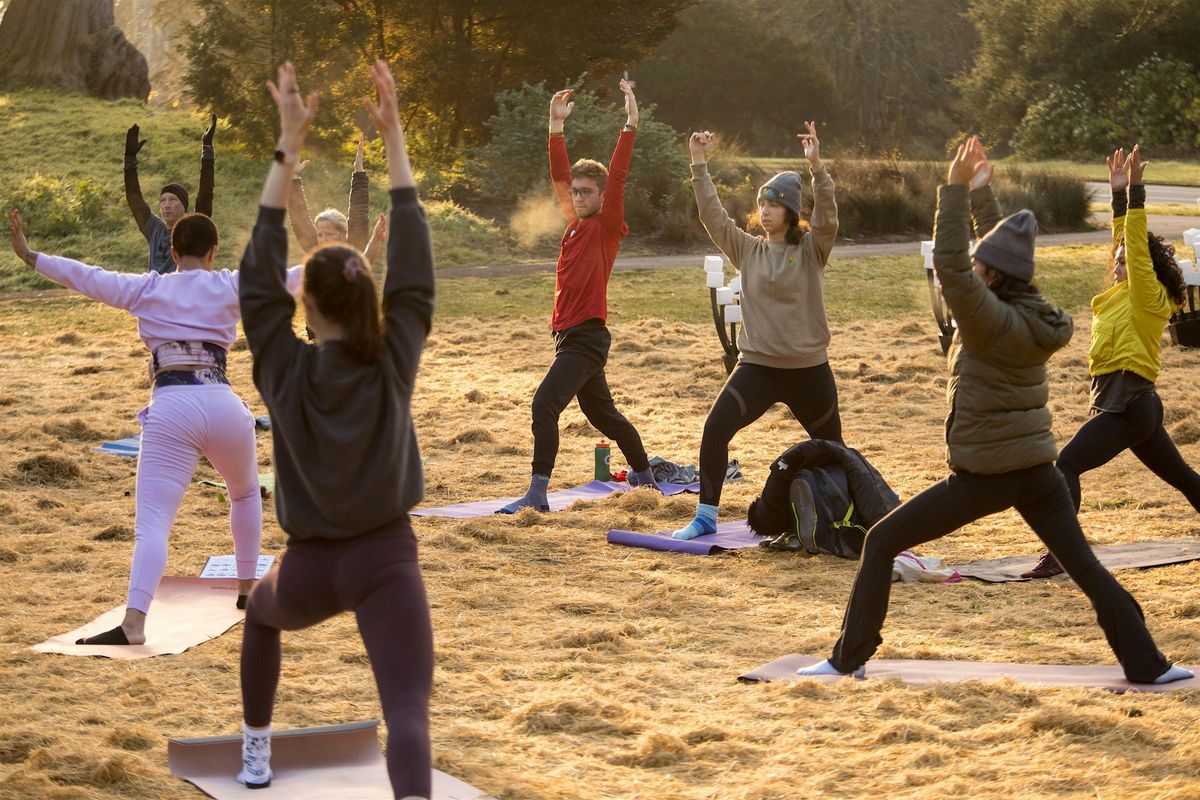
(985, 208)
(208, 169)
(825, 214)
(297, 206)
(724, 232)
(1145, 289)
(981, 315)
(117, 289)
(267, 307)
(133, 189)
(408, 287)
(613, 210)
(1118, 182)
(360, 202)
(560, 165)
(375, 246)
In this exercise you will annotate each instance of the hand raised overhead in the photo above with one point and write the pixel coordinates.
(698, 145)
(296, 113)
(631, 106)
(1135, 165)
(812, 145)
(982, 176)
(385, 113)
(1118, 170)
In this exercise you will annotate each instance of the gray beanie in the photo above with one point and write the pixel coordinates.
(784, 189)
(1008, 247)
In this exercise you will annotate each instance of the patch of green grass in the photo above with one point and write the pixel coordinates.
(1165, 209)
(855, 289)
(62, 163)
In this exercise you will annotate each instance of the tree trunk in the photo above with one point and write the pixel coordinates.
(70, 44)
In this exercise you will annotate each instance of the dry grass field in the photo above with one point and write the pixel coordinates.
(568, 668)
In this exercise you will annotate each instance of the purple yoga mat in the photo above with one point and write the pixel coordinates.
(729, 536)
(559, 500)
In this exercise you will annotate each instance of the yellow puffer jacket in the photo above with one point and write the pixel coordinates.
(1128, 319)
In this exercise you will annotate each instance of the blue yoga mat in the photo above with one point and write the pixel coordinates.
(127, 448)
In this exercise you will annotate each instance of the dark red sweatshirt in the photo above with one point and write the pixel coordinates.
(589, 246)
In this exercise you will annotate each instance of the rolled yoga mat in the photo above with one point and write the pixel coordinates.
(729, 536)
(341, 761)
(924, 673)
(186, 612)
(593, 490)
(1118, 556)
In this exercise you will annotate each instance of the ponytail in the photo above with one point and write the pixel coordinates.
(338, 279)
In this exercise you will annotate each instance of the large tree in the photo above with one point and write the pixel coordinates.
(69, 44)
(451, 56)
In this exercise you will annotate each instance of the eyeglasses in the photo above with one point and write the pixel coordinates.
(582, 192)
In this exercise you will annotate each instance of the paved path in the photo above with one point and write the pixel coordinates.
(1155, 194)
(1171, 227)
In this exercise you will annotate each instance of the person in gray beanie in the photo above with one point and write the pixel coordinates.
(784, 336)
(1000, 447)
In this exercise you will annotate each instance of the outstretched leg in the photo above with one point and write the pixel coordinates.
(1048, 511)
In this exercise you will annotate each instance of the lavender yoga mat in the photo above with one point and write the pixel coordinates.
(593, 490)
(924, 673)
(729, 536)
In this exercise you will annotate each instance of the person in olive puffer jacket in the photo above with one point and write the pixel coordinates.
(1000, 447)
(1128, 318)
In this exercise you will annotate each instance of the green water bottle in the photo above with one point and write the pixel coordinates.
(602, 455)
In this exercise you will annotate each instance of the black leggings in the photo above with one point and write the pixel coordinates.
(580, 354)
(1140, 429)
(376, 576)
(810, 393)
(1040, 496)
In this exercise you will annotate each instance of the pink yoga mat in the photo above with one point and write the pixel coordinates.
(334, 761)
(729, 536)
(594, 490)
(186, 612)
(924, 673)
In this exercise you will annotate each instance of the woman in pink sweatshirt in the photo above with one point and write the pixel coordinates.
(188, 321)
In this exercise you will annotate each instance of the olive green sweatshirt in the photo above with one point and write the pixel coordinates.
(782, 298)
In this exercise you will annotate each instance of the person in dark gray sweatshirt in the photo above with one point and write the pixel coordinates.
(346, 460)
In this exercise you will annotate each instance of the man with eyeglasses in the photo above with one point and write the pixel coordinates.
(592, 198)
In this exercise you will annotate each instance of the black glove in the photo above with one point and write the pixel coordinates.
(207, 141)
(132, 146)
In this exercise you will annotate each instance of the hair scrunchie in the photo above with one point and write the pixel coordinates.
(352, 268)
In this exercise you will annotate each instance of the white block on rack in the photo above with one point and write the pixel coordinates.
(927, 248)
(736, 284)
(714, 264)
(733, 314)
(724, 296)
(1192, 236)
(714, 280)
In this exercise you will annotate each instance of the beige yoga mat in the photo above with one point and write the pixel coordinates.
(924, 673)
(333, 761)
(1135, 555)
(186, 612)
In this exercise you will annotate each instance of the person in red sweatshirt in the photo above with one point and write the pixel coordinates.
(593, 200)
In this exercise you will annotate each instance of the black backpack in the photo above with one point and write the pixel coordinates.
(821, 497)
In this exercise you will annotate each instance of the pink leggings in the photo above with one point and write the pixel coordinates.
(181, 424)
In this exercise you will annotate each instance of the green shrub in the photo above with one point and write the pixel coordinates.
(462, 238)
(63, 207)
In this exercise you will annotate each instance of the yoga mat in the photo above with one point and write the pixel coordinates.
(1117, 556)
(127, 447)
(729, 536)
(593, 490)
(333, 761)
(924, 673)
(186, 612)
(266, 483)
(226, 567)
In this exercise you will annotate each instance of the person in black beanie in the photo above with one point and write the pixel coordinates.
(1000, 447)
(172, 199)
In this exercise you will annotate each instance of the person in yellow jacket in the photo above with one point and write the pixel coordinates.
(1127, 326)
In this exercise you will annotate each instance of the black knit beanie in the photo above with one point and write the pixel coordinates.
(178, 191)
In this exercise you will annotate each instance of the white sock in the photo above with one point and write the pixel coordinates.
(825, 668)
(256, 756)
(1175, 674)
